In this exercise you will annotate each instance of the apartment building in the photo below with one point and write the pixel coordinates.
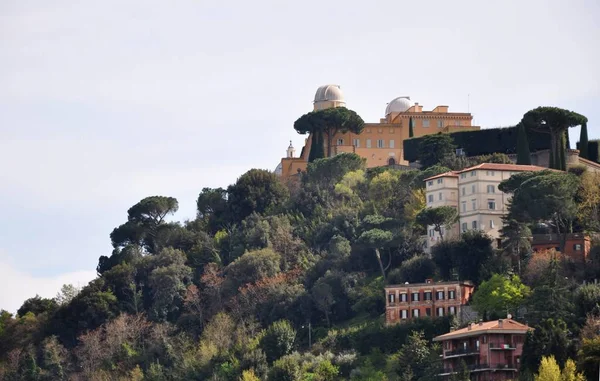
(405, 302)
(490, 350)
(474, 193)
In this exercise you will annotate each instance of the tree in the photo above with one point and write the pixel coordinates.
(253, 266)
(257, 191)
(523, 154)
(411, 128)
(544, 196)
(323, 298)
(416, 269)
(588, 357)
(66, 294)
(376, 238)
(434, 148)
(317, 147)
(548, 370)
(583, 141)
(278, 340)
(212, 208)
(286, 368)
(143, 222)
(555, 122)
(515, 239)
(500, 295)
(37, 305)
(549, 338)
(329, 122)
(442, 217)
(569, 372)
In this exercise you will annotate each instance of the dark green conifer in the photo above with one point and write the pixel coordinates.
(411, 128)
(523, 155)
(583, 142)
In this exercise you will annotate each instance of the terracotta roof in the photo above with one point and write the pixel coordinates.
(504, 167)
(508, 326)
(445, 174)
(491, 167)
(425, 284)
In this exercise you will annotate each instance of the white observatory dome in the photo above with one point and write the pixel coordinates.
(400, 104)
(329, 93)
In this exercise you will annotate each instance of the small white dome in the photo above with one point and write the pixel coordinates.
(329, 93)
(400, 104)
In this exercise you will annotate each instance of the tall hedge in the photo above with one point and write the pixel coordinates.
(484, 142)
(593, 150)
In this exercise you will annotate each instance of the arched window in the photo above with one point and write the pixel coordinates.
(391, 161)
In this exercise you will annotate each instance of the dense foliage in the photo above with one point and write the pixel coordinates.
(286, 282)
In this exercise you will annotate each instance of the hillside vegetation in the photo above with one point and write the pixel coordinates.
(285, 282)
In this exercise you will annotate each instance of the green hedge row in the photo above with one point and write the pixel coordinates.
(484, 142)
(593, 150)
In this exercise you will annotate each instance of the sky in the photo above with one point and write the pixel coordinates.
(103, 103)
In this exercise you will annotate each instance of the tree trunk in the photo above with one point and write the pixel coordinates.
(553, 150)
(378, 255)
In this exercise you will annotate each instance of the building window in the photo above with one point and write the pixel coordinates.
(430, 198)
(464, 206)
(463, 175)
(429, 183)
(392, 298)
(340, 142)
(474, 224)
(415, 313)
(451, 294)
(472, 173)
(491, 205)
(440, 181)
(427, 311)
(491, 224)
(440, 196)
(473, 188)
(356, 143)
(457, 122)
(415, 297)
(425, 122)
(464, 227)
(463, 191)
(380, 143)
(403, 297)
(474, 204)
(440, 311)
(491, 189)
(431, 232)
(368, 143)
(490, 173)
(404, 314)
(439, 295)
(427, 295)
(451, 310)
(577, 247)
(392, 143)
(440, 123)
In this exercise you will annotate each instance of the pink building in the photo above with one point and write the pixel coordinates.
(490, 350)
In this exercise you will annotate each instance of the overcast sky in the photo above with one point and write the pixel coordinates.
(103, 103)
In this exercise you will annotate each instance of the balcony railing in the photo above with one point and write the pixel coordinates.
(480, 368)
(502, 346)
(462, 352)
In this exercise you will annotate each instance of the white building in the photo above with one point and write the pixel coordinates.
(474, 192)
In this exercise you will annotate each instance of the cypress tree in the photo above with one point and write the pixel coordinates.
(561, 160)
(523, 155)
(583, 142)
(411, 128)
(317, 151)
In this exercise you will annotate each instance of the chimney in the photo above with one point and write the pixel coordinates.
(500, 323)
(470, 326)
(428, 281)
(480, 322)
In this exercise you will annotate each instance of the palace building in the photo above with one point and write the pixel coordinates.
(380, 143)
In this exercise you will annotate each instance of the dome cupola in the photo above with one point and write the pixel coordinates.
(400, 104)
(329, 96)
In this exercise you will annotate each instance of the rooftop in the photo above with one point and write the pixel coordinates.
(494, 326)
(491, 167)
(425, 284)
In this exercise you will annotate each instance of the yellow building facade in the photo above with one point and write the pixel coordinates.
(380, 143)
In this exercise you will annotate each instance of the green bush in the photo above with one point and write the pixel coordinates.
(484, 142)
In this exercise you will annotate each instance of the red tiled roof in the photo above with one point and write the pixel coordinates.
(508, 325)
(491, 167)
(504, 167)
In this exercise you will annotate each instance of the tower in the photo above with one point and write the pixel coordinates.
(290, 151)
(329, 96)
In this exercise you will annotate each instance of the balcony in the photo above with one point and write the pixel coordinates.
(469, 351)
(502, 347)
